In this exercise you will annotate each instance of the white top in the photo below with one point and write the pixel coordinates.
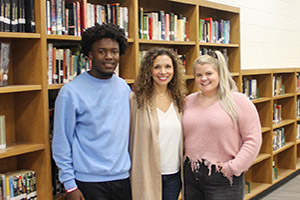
(169, 139)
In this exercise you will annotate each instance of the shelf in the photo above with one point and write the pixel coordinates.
(165, 42)
(188, 77)
(20, 148)
(234, 73)
(218, 45)
(265, 129)
(283, 123)
(298, 119)
(19, 88)
(129, 81)
(64, 37)
(256, 188)
(55, 86)
(74, 38)
(298, 141)
(261, 157)
(286, 146)
(20, 35)
(284, 96)
(261, 99)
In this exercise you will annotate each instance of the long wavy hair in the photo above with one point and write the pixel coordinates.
(143, 86)
(226, 84)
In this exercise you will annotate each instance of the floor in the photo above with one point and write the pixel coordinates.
(288, 191)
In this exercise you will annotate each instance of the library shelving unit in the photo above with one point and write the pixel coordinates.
(274, 164)
(25, 102)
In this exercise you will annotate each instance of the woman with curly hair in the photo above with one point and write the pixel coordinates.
(155, 127)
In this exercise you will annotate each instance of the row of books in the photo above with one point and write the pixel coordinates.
(214, 31)
(17, 16)
(2, 132)
(71, 18)
(250, 88)
(4, 63)
(277, 113)
(277, 86)
(161, 25)
(298, 107)
(298, 131)
(64, 64)
(18, 185)
(298, 82)
(278, 138)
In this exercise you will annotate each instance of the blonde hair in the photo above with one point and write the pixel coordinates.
(226, 84)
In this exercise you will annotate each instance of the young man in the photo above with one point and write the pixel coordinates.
(91, 122)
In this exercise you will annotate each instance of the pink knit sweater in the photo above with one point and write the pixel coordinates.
(211, 136)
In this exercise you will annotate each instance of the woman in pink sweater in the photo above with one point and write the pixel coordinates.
(222, 133)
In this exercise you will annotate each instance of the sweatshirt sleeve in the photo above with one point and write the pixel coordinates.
(250, 131)
(64, 129)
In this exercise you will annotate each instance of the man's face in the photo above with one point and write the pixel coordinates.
(105, 58)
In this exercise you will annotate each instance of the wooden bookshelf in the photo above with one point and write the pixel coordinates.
(286, 158)
(25, 102)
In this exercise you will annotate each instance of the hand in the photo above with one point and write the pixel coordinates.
(75, 195)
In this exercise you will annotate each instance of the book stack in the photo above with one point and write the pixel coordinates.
(4, 63)
(2, 132)
(161, 25)
(65, 63)
(214, 31)
(250, 88)
(298, 131)
(17, 16)
(18, 185)
(278, 87)
(277, 110)
(278, 138)
(71, 18)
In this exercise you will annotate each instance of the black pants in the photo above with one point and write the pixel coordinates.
(201, 186)
(111, 190)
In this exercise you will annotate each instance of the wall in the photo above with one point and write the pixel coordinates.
(270, 33)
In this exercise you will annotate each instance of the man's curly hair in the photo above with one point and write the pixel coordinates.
(143, 86)
(97, 32)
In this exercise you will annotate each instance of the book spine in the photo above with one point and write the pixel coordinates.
(2, 132)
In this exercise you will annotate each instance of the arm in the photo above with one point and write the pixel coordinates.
(249, 129)
(64, 128)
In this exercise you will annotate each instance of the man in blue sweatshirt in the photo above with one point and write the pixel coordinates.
(91, 122)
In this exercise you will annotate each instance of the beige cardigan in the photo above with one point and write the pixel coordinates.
(145, 152)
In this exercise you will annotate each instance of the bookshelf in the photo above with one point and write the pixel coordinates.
(27, 99)
(286, 157)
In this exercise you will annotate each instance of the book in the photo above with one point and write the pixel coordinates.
(4, 63)
(29, 16)
(2, 132)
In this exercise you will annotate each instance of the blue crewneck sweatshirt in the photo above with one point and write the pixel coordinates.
(91, 130)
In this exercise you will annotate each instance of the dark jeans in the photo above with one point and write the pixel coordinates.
(111, 190)
(171, 185)
(199, 186)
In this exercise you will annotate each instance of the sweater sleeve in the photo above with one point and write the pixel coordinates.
(250, 132)
(64, 128)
